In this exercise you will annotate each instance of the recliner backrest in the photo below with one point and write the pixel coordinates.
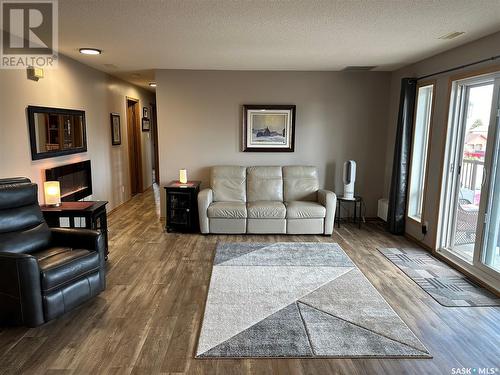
(22, 226)
(228, 183)
(300, 183)
(264, 184)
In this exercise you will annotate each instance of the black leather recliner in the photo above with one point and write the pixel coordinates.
(44, 272)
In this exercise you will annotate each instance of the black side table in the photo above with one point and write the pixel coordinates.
(182, 207)
(93, 213)
(357, 202)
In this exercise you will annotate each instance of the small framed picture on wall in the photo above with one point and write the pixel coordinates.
(116, 133)
(146, 124)
(145, 112)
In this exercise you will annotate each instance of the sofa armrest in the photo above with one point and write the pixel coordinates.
(329, 200)
(20, 290)
(205, 198)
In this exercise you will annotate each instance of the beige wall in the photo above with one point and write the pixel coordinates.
(480, 49)
(340, 116)
(76, 86)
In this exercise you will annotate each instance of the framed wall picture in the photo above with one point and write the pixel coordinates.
(268, 128)
(145, 112)
(116, 132)
(146, 124)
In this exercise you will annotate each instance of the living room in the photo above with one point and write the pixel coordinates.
(250, 187)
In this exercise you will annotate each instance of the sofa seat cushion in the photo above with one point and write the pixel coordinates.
(227, 210)
(305, 210)
(60, 265)
(266, 210)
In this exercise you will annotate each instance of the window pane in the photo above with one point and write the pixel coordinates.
(419, 151)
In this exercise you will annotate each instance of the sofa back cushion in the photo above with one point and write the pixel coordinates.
(264, 184)
(300, 183)
(22, 226)
(228, 184)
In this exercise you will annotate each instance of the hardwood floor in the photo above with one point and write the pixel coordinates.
(147, 320)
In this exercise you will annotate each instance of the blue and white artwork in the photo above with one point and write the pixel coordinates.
(269, 128)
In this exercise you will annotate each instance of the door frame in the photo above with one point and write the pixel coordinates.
(134, 138)
(154, 129)
(457, 145)
(477, 269)
(487, 188)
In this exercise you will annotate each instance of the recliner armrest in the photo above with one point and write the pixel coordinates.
(78, 238)
(83, 239)
(205, 198)
(20, 291)
(329, 200)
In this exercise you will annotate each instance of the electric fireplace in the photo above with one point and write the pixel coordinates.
(75, 180)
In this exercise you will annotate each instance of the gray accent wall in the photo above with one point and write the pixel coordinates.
(340, 116)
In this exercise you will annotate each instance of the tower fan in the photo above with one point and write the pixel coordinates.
(349, 179)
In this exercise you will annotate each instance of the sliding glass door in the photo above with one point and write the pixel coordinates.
(471, 211)
(490, 251)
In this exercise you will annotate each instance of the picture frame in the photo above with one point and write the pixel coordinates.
(146, 124)
(145, 112)
(268, 128)
(116, 132)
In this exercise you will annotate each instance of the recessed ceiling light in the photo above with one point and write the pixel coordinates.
(90, 51)
(452, 35)
(152, 84)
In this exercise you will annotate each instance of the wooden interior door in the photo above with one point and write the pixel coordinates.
(134, 146)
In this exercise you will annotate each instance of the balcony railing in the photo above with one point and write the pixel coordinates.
(471, 174)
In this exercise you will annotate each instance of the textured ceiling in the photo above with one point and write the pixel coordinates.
(140, 36)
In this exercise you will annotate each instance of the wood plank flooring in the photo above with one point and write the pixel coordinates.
(147, 320)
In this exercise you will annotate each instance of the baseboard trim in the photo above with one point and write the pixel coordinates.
(129, 199)
(420, 243)
(117, 207)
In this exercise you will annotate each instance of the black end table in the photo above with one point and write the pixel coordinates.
(93, 213)
(182, 207)
(357, 201)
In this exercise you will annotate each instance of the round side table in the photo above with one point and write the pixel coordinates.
(357, 201)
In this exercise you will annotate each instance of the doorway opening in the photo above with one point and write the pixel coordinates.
(134, 146)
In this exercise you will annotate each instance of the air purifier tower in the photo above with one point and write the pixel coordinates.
(349, 179)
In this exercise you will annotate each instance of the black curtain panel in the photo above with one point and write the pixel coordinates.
(402, 153)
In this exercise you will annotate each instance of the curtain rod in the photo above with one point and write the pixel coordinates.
(493, 58)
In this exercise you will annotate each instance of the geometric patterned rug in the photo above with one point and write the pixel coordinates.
(298, 300)
(444, 284)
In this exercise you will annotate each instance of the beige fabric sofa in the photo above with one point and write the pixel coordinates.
(266, 200)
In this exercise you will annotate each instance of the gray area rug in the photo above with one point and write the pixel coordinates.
(298, 300)
(444, 284)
